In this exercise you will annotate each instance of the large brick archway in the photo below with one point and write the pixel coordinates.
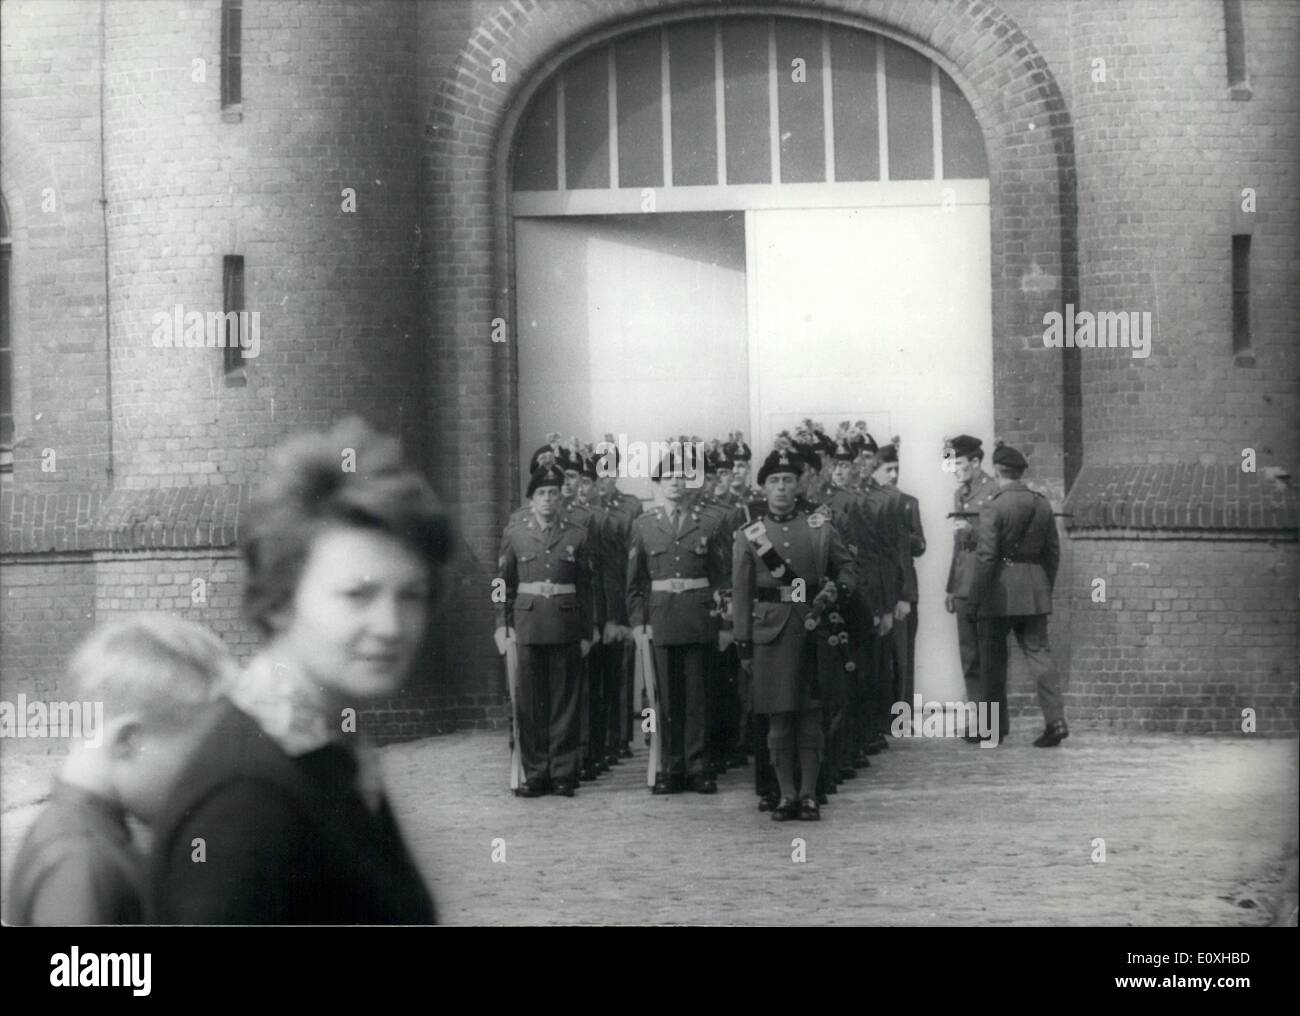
(469, 131)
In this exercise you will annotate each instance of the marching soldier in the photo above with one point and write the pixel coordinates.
(674, 562)
(974, 488)
(1016, 561)
(546, 569)
(781, 634)
(621, 510)
(905, 640)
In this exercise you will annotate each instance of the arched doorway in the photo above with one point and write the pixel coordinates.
(737, 222)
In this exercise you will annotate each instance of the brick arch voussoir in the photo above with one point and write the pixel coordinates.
(25, 172)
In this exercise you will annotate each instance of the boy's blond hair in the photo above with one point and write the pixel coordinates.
(158, 667)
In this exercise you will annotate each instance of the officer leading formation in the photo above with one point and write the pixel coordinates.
(726, 622)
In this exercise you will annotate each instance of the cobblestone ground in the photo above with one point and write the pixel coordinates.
(1197, 831)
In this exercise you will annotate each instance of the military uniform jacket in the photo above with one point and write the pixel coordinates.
(815, 550)
(561, 556)
(592, 518)
(1018, 554)
(659, 553)
(850, 520)
(621, 510)
(962, 569)
(916, 543)
(886, 541)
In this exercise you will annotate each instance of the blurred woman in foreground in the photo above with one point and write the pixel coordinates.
(280, 817)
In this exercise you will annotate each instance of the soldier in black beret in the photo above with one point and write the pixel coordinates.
(886, 539)
(621, 509)
(545, 569)
(674, 564)
(789, 570)
(1016, 561)
(964, 456)
(739, 455)
(887, 469)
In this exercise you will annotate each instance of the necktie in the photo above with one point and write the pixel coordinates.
(676, 520)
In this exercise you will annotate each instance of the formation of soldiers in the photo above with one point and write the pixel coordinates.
(730, 621)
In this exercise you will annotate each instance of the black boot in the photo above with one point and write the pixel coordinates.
(1055, 733)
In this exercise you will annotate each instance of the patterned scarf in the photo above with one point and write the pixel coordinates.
(294, 712)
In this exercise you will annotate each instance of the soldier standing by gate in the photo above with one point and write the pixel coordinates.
(887, 469)
(545, 568)
(621, 510)
(974, 488)
(1011, 590)
(674, 563)
(788, 569)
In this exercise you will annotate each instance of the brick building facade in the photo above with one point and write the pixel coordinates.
(1121, 158)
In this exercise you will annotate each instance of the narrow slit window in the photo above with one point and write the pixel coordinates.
(1234, 31)
(233, 305)
(1241, 294)
(232, 87)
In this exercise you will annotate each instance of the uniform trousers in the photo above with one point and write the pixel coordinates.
(881, 691)
(618, 675)
(1031, 633)
(683, 720)
(550, 695)
(598, 703)
(713, 679)
(733, 710)
(968, 644)
(904, 657)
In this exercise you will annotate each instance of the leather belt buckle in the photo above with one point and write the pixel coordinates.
(547, 589)
(676, 585)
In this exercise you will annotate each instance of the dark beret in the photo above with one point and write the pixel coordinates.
(546, 476)
(780, 461)
(1005, 455)
(963, 446)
